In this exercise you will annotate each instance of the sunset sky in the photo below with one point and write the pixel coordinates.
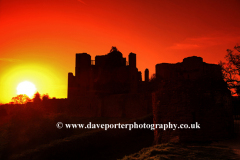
(39, 38)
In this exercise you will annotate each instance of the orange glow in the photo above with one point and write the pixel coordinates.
(39, 39)
(43, 76)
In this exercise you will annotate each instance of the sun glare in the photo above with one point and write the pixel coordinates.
(27, 88)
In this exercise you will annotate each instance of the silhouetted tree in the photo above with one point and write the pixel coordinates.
(37, 98)
(21, 99)
(231, 69)
(45, 97)
(153, 78)
(153, 83)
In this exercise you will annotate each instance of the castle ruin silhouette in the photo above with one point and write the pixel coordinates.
(109, 86)
(181, 93)
(108, 74)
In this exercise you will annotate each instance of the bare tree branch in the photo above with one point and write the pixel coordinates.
(231, 69)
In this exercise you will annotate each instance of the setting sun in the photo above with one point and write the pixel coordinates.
(27, 88)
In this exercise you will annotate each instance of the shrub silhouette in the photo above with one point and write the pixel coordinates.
(21, 99)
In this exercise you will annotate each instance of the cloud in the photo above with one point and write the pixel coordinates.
(81, 1)
(207, 41)
(184, 46)
(10, 60)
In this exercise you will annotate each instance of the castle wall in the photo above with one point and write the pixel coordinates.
(83, 62)
(72, 89)
(118, 105)
(138, 105)
(146, 73)
(189, 92)
(110, 75)
(187, 107)
(127, 105)
(100, 61)
(192, 68)
(113, 106)
(85, 106)
(132, 60)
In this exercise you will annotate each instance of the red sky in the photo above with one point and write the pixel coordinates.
(39, 38)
